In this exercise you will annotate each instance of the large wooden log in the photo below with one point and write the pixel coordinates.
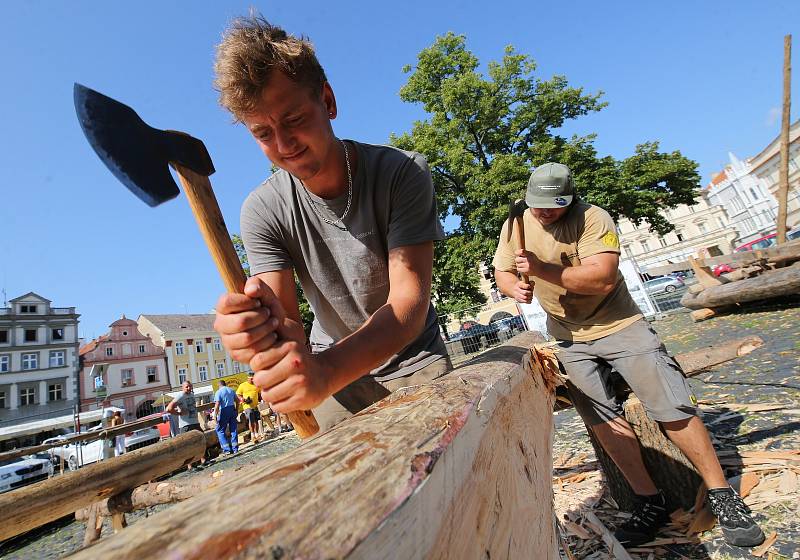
(32, 506)
(460, 468)
(770, 284)
(784, 252)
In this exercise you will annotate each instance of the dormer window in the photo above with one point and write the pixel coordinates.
(27, 308)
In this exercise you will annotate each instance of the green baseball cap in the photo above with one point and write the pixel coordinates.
(550, 186)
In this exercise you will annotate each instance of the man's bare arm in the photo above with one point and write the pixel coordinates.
(595, 275)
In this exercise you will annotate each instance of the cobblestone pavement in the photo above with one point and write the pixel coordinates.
(770, 374)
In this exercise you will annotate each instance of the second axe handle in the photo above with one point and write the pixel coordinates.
(212, 225)
(519, 232)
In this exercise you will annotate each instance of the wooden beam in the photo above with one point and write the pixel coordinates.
(458, 468)
(32, 506)
(786, 251)
(783, 167)
(700, 360)
(770, 284)
(108, 433)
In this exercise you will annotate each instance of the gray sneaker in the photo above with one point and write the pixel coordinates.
(734, 517)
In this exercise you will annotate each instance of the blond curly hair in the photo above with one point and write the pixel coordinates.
(251, 49)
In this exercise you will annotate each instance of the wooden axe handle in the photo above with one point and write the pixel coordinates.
(519, 233)
(212, 225)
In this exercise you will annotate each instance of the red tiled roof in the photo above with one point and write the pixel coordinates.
(86, 348)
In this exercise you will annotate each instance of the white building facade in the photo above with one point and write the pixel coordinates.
(701, 230)
(750, 206)
(38, 359)
(767, 163)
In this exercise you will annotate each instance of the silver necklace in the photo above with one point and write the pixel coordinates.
(338, 222)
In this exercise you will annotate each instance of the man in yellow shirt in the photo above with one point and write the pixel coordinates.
(249, 394)
(572, 259)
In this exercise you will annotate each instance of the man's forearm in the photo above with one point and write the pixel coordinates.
(505, 282)
(582, 279)
(390, 329)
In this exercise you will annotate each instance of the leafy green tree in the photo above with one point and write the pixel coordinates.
(305, 308)
(484, 134)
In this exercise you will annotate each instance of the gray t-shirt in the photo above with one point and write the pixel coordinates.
(344, 271)
(188, 415)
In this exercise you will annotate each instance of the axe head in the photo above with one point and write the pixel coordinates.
(515, 210)
(137, 154)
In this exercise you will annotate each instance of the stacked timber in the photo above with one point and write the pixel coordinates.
(761, 275)
(456, 469)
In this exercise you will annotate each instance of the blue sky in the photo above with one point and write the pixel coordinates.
(701, 77)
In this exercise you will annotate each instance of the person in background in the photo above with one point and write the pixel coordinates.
(225, 412)
(248, 395)
(119, 441)
(185, 407)
(571, 256)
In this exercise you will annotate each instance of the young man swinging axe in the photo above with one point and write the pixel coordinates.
(355, 222)
(571, 253)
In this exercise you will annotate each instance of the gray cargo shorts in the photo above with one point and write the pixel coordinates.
(637, 355)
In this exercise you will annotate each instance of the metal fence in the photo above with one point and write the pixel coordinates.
(474, 330)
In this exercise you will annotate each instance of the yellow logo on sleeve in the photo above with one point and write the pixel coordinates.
(610, 239)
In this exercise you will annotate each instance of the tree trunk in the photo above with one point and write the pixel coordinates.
(669, 468)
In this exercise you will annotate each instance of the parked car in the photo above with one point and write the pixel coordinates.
(767, 241)
(664, 284)
(27, 470)
(76, 455)
(721, 269)
(507, 325)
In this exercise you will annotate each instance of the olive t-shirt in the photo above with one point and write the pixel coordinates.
(344, 271)
(585, 230)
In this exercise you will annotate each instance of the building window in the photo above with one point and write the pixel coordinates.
(142, 349)
(198, 346)
(126, 349)
(662, 241)
(236, 367)
(109, 350)
(127, 377)
(645, 246)
(57, 358)
(27, 396)
(203, 372)
(57, 334)
(2, 400)
(217, 345)
(30, 361)
(679, 235)
(179, 348)
(701, 227)
(220, 369)
(181, 375)
(30, 335)
(54, 392)
(27, 308)
(753, 193)
(5, 363)
(3, 336)
(691, 209)
(124, 333)
(721, 223)
(152, 374)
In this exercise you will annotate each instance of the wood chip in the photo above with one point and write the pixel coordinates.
(761, 549)
(703, 521)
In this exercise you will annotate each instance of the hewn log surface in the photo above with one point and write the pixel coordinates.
(770, 284)
(459, 468)
(32, 506)
(783, 252)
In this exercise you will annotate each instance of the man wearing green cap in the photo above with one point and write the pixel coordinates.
(572, 258)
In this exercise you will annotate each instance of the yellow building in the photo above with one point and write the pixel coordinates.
(192, 347)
